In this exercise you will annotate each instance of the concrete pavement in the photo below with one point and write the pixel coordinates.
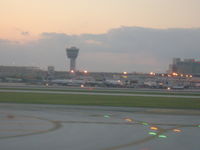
(50, 127)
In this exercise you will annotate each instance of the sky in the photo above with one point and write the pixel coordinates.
(113, 35)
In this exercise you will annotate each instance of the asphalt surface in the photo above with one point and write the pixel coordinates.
(56, 127)
(93, 93)
(7, 86)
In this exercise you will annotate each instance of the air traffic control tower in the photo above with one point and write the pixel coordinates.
(72, 54)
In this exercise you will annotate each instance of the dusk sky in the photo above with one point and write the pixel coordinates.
(113, 35)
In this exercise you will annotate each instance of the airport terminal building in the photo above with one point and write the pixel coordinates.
(186, 66)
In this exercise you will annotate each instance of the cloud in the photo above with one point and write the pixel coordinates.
(93, 42)
(120, 49)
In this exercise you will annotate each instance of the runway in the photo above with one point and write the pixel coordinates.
(42, 87)
(94, 93)
(50, 127)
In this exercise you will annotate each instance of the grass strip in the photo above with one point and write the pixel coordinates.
(100, 100)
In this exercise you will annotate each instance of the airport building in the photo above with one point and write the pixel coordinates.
(186, 66)
(25, 74)
(20, 71)
(50, 72)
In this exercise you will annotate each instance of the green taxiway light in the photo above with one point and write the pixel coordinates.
(106, 116)
(144, 123)
(199, 126)
(152, 133)
(162, 136)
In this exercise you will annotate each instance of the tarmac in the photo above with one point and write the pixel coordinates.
(99, 93)
(59, 127)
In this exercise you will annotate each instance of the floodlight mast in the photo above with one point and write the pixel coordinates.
(72, 54)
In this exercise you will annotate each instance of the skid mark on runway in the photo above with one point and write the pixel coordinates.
(156, 130)
(141, 141)
(153, 128)
(16, 127)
